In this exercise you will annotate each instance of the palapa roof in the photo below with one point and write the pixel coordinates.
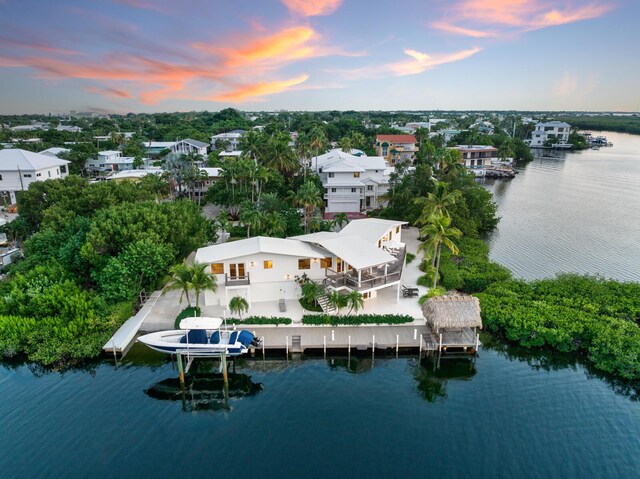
(443, 312)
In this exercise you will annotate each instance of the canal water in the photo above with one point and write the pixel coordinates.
(577, 212)
(508, 413)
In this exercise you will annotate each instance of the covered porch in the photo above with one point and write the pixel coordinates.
(453, 321)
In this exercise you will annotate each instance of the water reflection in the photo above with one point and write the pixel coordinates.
(433, 374)
(353, 365)
(205, 392)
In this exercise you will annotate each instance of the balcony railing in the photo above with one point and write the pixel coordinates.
(236, 280)
(369, 278)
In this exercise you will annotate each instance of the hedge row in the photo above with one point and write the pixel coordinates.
(320, 319)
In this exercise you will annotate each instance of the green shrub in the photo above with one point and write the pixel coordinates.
(425, 280)
(322, 319)
(277, 320)
(410, 257)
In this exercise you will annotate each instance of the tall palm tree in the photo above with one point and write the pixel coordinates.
(318, 141)
(180, 279)
(309, 197)
(437, 202)
(303, 150)
(358, 140)
(280, 156)
(311, 291)
(201, 280)
(354, 301)
(346, 144)
(251, 218)
(274, 224)
(438, 231)
(450, 162)
(223, 224)
(337, 300)
(340, 219)
(238, 305)
(253, 145)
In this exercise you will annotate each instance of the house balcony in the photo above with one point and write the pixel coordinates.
(368, 278)
(237, 280)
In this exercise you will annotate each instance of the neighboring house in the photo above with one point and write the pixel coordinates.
(184, 147)
(209, 176)
(110, 160)
(420, 124)
(447, 134)
(230, 154)
(134, 175)
(557, 131)
(20, 168)
(154, 148)
(32, 127)
(230, 141)
(396, 148)
(69, 128)
(365, 256)
(54, 151)
(352, 183)
(478, 157)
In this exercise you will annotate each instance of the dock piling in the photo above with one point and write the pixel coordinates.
(324, 346)
(397, 345)
(415, 333)
(287, 346)
(180, 369)
(225, 375)
(262, 348)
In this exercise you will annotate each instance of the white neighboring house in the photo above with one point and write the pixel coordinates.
(20, 168)
(184, 147)
(365, 256)
(110, 160)
(478, 157)
(156, 147)
(55, 151)
(230, 154)
(551, 130)
(232, 139)
(208, 178)
(352, 183)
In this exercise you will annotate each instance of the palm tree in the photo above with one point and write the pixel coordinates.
(251, 218)
(450, 162)
(223, 224)
(180, 279)
(437, 202)
(358, 140)
(238, 305)
(438, 231)
(354, 301)
(303, 150)
(253, 145)
(280, 155)
(317, 141)
(274, 224)
(340, 219)
(311, 291)
(346, 144)
(337, 300)
(309, 197)
(201, 281)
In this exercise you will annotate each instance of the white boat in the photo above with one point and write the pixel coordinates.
(201, 337)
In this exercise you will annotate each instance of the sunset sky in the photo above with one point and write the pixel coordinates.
(177, 55)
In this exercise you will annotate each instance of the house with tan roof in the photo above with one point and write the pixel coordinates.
(396, 148)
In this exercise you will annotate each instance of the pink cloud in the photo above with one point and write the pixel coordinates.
(310, 8)
(260, 89)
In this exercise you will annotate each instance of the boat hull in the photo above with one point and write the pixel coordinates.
(168, 342)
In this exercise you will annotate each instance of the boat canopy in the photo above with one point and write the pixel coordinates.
(201, 323)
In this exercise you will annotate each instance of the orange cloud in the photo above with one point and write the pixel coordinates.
(260, 89)
(423, 61)
(311, 8)
(521, 15)
(110, 92)
(467, 32)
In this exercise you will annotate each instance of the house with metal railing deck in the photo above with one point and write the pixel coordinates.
(366, 256)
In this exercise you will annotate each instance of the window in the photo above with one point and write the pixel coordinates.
(49, 174)
(333, 190)
(369, 187)
(326, 263)
(331, 175)
(385, 150)
(268, 264)
(353, 190)
(0, 177)
(217, 268)
(356, 174)
(37, 174)
(304, 263)
(27, 175)
(397, 229)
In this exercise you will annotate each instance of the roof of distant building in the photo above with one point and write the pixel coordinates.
(396, 138)
(54, 151)
(15, 158)
(196, 143)
(109, 152)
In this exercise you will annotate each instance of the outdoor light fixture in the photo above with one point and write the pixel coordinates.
(252, 264)
(287, 276)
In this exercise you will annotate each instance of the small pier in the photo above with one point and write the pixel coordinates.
(125, 336)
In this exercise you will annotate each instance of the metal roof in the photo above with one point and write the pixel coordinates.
(356, 252)
(258, 244)
(12, 159)
(370, 229)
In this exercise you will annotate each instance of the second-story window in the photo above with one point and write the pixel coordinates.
(356, 175)
(330, 175)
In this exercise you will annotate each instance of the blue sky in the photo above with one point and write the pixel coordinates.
(163, 55)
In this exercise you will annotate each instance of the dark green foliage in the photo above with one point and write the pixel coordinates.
(268, 320)
(622, 124)
(571, 313)
(321, 319)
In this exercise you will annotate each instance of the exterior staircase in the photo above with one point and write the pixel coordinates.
(323, 301)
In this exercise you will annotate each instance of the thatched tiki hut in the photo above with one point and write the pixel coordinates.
(453, 321)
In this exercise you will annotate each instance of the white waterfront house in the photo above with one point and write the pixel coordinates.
(232, 140)
(366, 256)
(110, 160)
(478, 157)
(352, 183)
(19, 168)
(184, 147)
(551, 130)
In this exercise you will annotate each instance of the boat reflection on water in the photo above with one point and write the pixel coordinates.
(432, 375)
(205, 392)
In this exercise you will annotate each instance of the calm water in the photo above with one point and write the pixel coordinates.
(508, 414)
(576, 213)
